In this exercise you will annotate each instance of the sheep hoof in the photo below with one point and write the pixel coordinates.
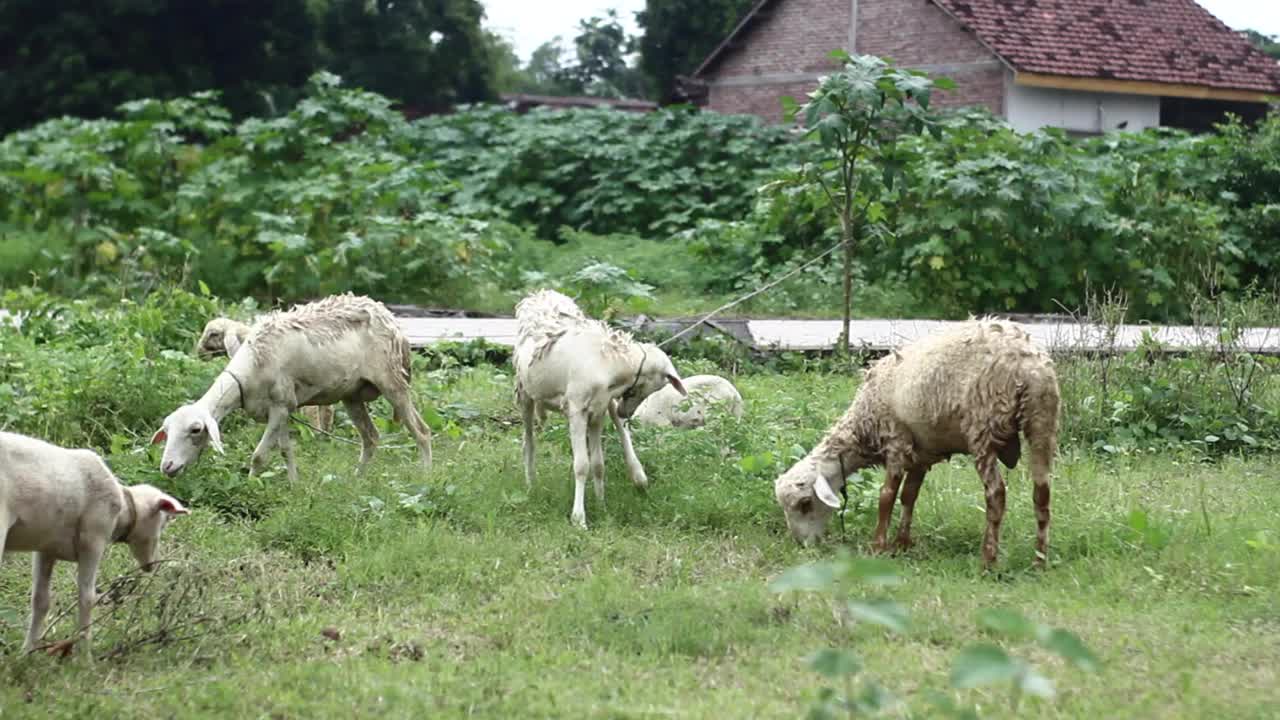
(903, 544)
(580, 522)
(62, 648)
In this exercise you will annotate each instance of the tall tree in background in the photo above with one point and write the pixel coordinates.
(66, 57)
(1269, 44)
(600, 66)
(427, 54)
(679, 34)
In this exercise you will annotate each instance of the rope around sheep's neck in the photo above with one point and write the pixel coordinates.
(844, 492)
(238, 386)
(644, 354)
(133, 517)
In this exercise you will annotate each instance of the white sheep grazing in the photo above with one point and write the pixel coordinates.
(970, 390)
(343, 348)
(224, 336)
(66, 504)
(586, 370)
(707, 394)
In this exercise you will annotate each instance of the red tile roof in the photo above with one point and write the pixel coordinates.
(1160, 41)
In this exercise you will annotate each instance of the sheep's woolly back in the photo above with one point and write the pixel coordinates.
(978, 381)
(545, 316)
(326, 321)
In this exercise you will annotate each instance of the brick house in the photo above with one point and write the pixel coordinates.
(1084, 65)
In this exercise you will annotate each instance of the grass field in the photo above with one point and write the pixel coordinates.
(459, 594)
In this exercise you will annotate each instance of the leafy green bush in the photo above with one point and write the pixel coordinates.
(988, 219)
(605, 171)
(82, 374)
(330, 197)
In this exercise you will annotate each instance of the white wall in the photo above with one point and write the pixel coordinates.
(1031, 108)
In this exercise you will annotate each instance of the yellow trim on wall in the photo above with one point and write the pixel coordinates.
(1137, 87)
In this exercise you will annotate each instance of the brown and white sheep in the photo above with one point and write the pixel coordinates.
(969, 390)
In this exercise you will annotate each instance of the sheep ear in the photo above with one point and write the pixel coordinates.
(231, 343)
(159, 437)
(823, 490)
(171, 506)
(675, 383)
(215, 434)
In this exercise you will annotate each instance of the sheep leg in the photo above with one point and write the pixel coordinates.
(285, 442)
(595, 444)
(368, 431)
(41, 572)
(324, 417)
(994, 484)
(527, 412)
(1042, 449)
(86, 577)
(909, 492)
(578, 430)
(276, 417)
(407, 414)
(888, 495)
(634, 468)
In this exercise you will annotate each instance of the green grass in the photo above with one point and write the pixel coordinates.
(459, 594)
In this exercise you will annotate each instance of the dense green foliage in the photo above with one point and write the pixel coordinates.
(329, 197)
(343, 193)
(605, 171)
(987, 219)
(83, 59)
(426, 54)
(70, 58)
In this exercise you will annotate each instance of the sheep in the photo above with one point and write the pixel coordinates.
(64, 504)
(224, 336)
(342, 348)
(969, 390)
(667, 408)
(586, 370)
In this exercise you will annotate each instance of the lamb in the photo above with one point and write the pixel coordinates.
(586, 370)
(969, 390)
(666, 407)
(343, 348)
(64, 504)
(224, 336)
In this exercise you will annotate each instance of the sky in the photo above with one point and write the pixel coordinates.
(529, 23)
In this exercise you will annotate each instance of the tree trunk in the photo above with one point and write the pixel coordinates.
(846, 227)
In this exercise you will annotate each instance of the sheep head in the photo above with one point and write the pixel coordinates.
(653, 373)
(808, 498)
(154, 509)
(185, 434)
(220, 337)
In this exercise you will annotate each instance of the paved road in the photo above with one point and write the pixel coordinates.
(876, 335)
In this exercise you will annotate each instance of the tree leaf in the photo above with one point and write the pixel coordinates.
(1009, 623)
(1071, 648)
(819, 575)
(982, 664)
(832, 663)
(874, 571)
(886, 613)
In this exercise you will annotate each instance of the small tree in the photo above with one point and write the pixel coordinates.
(857, 116)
